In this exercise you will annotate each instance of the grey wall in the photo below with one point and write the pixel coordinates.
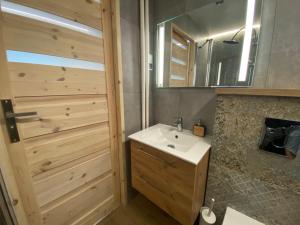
(167, 9)
(279, 61)
(260, 184)
(131, 73)
(285, 55)
(191, 104)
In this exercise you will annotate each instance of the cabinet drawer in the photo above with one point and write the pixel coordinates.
(164, 179)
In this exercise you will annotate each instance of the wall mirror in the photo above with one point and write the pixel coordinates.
(211, 46)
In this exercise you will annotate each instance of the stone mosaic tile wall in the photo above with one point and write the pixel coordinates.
(260, 184)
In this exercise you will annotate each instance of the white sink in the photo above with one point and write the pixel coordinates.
(183, 145)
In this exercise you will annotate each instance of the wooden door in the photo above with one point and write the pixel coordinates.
(182, 58)
(66, 162)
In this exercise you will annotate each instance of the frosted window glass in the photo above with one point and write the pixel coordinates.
(33, 58)
(35, 14)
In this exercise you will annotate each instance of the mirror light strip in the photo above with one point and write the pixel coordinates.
(32, 58)
(35, 14)
(160, 55)
(247, 40)
(219, 73)
(177, 43)
(177, 77)
(178, 61)
(226, 33)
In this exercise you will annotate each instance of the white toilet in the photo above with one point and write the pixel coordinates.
(233, 217)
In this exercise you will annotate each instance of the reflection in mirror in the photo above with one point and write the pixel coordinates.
(214, 45)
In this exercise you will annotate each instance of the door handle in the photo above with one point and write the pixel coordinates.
(11, 117)
(18, 115)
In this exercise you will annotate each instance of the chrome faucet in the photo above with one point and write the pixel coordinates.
(179, 124)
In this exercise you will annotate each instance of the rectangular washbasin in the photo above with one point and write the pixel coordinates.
(183, 145)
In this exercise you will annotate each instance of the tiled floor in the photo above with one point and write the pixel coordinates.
(139, 211)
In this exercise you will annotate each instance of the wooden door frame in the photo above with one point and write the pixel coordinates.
(8, 151)
(119, 100)
(8, 170)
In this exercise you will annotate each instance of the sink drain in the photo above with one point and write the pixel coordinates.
(171, 146)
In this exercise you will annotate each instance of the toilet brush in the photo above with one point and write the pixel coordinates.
(207, 216)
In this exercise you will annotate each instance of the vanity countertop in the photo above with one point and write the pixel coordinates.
(183, 145)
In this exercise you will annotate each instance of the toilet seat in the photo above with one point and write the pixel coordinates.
(233, 217)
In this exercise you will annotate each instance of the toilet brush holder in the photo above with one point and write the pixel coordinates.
(207, 216)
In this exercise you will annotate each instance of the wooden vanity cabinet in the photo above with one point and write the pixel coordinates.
(176, 186)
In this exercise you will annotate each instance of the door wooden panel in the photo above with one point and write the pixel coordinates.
(175, 83)
(179, 53)
(66, 163)
(58, 113)
(29, 35)
(76, 204)
(45, 153)
(41, 80)
(177, 35)
(178, 69)
(97, 212)
(82, 11)
(57, 185)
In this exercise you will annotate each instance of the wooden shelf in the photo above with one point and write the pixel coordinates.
(259, 92)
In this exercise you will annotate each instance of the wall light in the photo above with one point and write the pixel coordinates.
(247, 41)
(219, 73)
(160, 55)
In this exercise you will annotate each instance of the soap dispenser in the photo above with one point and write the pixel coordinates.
(199, 129)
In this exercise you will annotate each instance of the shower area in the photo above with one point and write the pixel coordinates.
(219, 58)
(221, 43)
